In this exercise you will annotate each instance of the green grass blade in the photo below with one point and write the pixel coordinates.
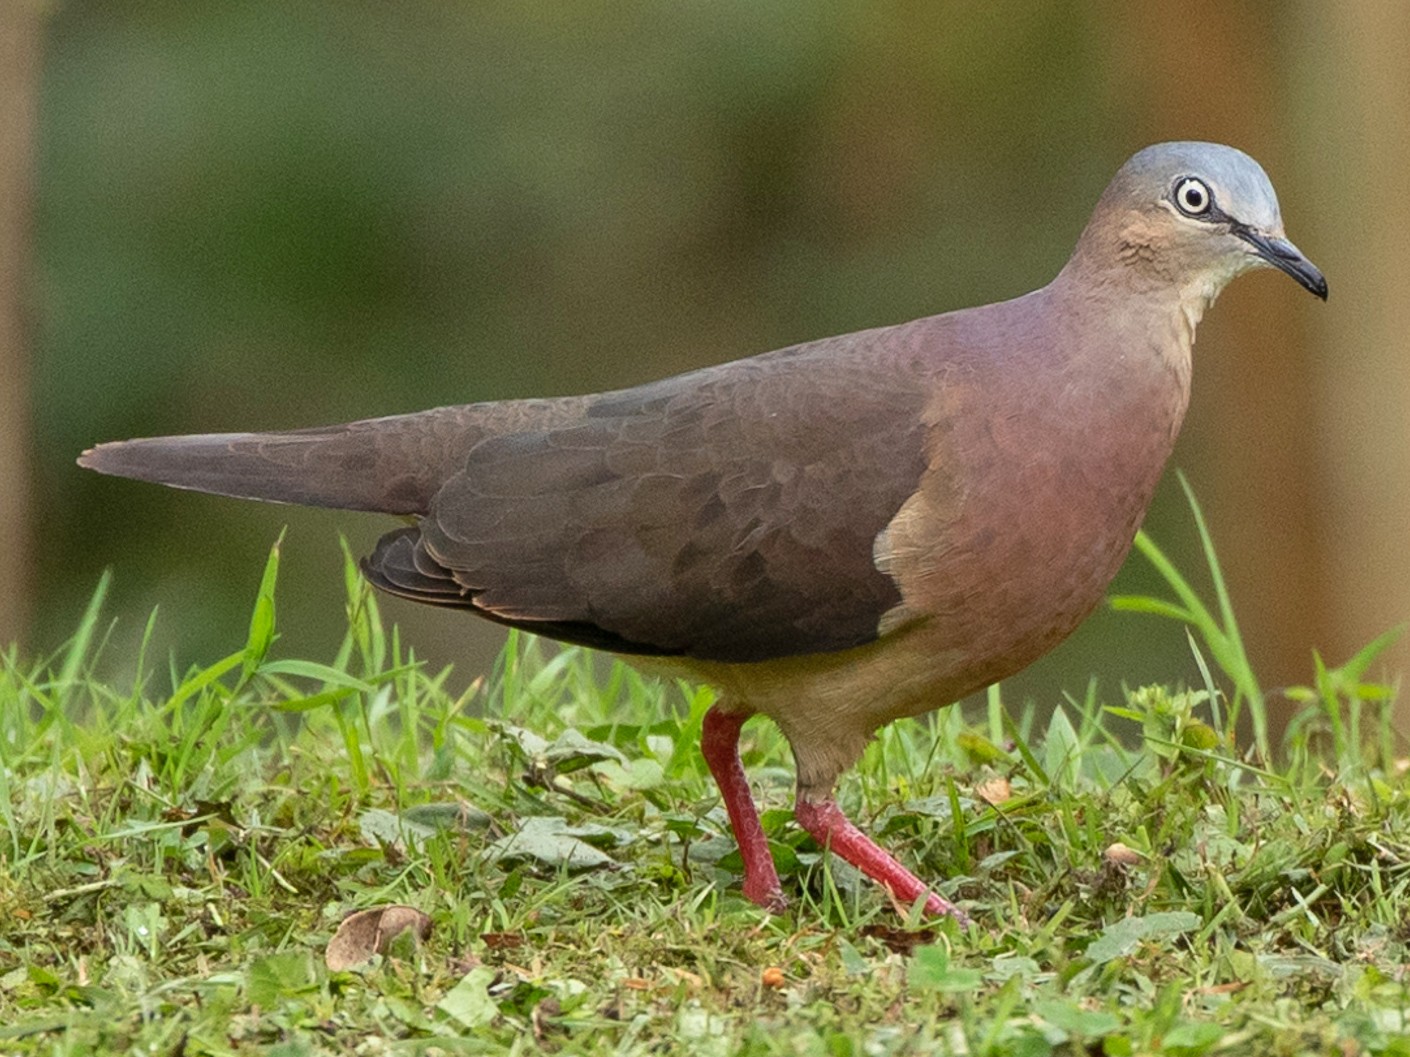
(1220, 635)
(79, 643)
(261, 635)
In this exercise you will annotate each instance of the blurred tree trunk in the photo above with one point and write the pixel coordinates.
(1298, 440)
(21, 24)
(1362, 379)
(1247, 446)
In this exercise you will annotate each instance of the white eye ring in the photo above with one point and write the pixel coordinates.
(1192, 197)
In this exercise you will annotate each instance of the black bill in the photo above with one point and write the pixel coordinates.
(1286, 257)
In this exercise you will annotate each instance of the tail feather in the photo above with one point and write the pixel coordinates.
(389, 465)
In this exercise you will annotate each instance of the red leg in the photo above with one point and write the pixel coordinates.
(719, 744)
(832, 829)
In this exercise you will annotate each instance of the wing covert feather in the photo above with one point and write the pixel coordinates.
(724, 514)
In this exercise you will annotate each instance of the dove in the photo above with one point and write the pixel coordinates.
(833, 535)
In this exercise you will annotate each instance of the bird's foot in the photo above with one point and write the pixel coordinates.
(832, 829)
(765, 892)
(719, 744)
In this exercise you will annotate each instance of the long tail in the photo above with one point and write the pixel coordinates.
(391, 465)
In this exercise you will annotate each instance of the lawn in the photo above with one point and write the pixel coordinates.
(543, 865)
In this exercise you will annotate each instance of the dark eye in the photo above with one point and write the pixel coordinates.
(1192, 197)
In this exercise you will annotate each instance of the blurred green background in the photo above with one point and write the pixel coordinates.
(257, 215)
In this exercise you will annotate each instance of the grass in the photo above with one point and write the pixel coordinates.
(178, 850)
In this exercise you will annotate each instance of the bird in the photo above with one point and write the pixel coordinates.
(834, 535)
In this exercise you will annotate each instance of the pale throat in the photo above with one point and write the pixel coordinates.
(1199, 293)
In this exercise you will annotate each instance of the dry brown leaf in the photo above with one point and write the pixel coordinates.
(1122, 855)
(902, 941)
(994, 790)
(499, 941)
(1233, 987)
(685, 976)
(542, 1018)
(366, 933)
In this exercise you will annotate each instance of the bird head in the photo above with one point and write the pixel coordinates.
(1192, 216)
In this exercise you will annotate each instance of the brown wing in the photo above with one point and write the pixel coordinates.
(729, 514)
